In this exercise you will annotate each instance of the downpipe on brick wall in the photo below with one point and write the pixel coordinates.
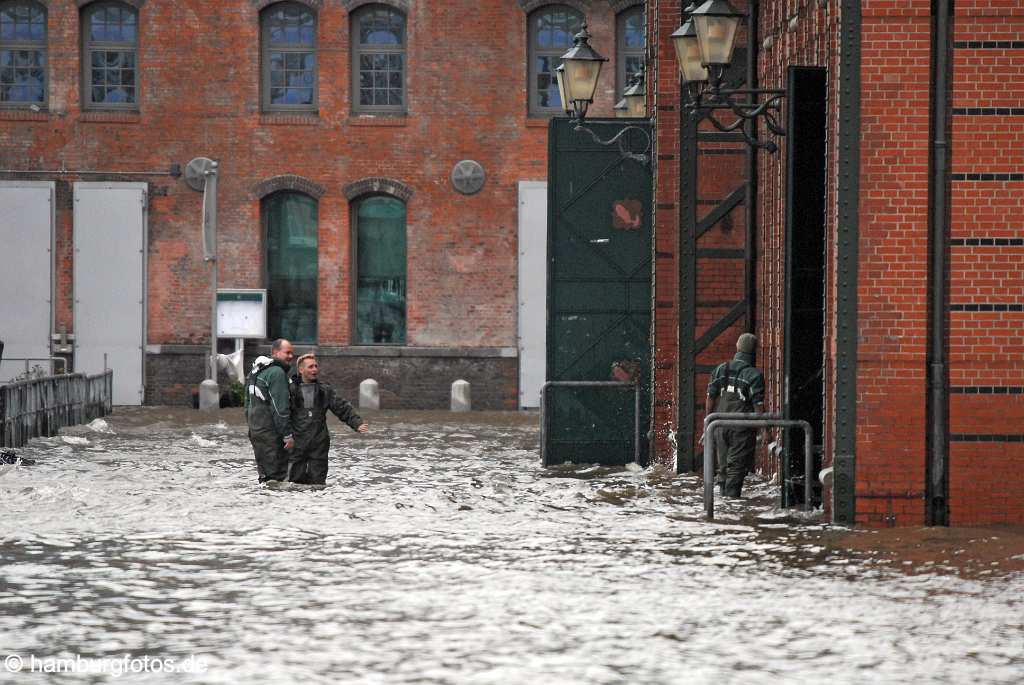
(937, 468)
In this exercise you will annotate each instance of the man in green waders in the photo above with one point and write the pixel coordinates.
(268, 411)
(310, 402)
(736, 386)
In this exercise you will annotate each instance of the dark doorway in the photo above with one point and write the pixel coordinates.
(803, 394)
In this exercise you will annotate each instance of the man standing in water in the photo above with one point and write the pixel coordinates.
(268, 413)
(310, 401)
(737, 386)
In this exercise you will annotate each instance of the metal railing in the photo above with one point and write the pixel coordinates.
(62, 360)
(725, 420)
(590, 384)
(42, 406)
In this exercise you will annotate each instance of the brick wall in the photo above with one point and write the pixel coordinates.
(664, 18)
(986, 261)
(199, 96)
(407, 378)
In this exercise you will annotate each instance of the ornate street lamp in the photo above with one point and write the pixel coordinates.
(577, 78)
(581, 68)
(636, 97)
(704, 47)
(688, 53)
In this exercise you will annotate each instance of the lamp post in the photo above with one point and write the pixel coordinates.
(704, 47)
(577, 78)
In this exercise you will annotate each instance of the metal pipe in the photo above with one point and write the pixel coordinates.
(709, 484)
(938, 398)
(91, 172)
(750, 247)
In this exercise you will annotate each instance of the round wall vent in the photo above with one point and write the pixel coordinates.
(468, 177)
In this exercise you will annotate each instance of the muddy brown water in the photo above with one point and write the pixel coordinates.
(441, 551)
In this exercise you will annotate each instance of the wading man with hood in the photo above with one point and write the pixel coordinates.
(268, 412)
(310, 402)
(736, 386)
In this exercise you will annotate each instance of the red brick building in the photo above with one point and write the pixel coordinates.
(905, 121)
(315, 110)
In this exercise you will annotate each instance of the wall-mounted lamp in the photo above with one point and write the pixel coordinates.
(704, 47)
(577, 78)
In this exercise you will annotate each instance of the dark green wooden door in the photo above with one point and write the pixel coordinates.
(599, 293)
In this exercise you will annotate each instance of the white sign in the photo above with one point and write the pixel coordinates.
(241, 313)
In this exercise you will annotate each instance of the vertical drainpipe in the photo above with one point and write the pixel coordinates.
(937, 467)
(750, 249)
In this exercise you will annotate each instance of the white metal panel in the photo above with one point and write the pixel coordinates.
(26, 274)
(533, 249)
(110, 283)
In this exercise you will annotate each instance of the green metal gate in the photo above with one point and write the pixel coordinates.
(599, 294)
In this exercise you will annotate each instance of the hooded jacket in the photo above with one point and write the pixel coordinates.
(267, 397)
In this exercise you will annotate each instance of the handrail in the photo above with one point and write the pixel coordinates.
(62, 360)
(591, 384)
(709, 477)
(42, 406)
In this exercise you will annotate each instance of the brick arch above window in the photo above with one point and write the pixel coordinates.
(578, 5)
(400, 5)
(372, 185)
(137, 4)
(619, 5)
(288, 182)
(315, 5)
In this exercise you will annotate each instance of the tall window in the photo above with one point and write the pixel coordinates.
(551, 30)
(378, 60)
(110, 51)
(289, 57)
(22, 53)
(291, 224)
(380, 270)
(632, 41)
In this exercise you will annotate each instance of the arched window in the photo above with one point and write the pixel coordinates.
(631, 27)
(22, 53)
(288, 57)
(378, 59)
(110, 55)
(380, 270)
(290, 220)
(550, 29)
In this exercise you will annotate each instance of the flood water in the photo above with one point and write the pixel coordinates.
(442, 552)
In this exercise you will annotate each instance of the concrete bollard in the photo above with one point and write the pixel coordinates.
(209, 395)
(369, 394)
(460, 396)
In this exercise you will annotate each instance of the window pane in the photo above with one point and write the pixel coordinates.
(22, 22)
(290, 25)
(556, 28)
(380, 271)
(381, 26)
(546, 84)
(635, 35)
(291, 266)
(552, 32)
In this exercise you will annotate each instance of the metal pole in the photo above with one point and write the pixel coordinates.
(636, 423)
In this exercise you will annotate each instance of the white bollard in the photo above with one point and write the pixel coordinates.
(369, 394)
(460, 396)
(209, 395)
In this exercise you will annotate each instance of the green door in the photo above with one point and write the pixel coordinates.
(599, 294)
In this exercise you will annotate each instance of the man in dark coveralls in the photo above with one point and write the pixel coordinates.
(268, 413)
(737, 386)
(310, 401)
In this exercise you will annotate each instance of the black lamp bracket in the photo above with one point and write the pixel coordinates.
(643, 156)
(746, 104)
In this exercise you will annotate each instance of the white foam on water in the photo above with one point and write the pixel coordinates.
(74, 440)
(99, 426)
(201, 441)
